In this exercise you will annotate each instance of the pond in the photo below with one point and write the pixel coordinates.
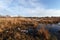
(54, 29)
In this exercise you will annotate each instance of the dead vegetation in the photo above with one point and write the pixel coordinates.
(9, 29)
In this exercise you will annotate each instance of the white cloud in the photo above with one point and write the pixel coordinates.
(5, 3)
(26, 8)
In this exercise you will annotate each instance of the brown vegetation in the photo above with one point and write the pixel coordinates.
(9, 28)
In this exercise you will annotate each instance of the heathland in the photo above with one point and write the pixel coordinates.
(10, 28)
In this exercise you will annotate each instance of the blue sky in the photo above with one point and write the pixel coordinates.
(30, 7)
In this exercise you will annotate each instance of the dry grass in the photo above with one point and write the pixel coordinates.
(9, 29)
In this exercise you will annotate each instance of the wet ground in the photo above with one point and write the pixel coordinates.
(54, 29)
(16, 34)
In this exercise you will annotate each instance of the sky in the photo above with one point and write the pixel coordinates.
(30, 8)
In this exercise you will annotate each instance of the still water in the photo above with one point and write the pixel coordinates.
(54, 29)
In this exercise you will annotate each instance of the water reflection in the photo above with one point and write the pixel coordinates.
(52, 28)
